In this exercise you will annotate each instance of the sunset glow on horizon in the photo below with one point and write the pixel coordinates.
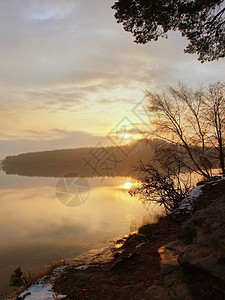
(68, 76)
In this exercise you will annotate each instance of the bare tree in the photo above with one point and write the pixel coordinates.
(191, 122)
(179, 119)
(163, 182)
(215, 116)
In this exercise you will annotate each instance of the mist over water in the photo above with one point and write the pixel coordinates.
(37, 227)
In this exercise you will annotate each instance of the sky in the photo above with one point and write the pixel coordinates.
(70, 75)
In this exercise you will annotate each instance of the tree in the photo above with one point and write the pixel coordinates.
(193, 125)
(162, 181)
(194, 121)
(17, 278)
(178, 117)
(200, 21)
(215, 116)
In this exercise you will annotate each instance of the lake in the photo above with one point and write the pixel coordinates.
(42, 221)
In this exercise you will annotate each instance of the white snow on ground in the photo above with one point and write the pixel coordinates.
(82, 268)
(139, 245)
(85, 267)
(187, 204)
(42, 289)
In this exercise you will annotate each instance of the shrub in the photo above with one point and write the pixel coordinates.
(16, 278)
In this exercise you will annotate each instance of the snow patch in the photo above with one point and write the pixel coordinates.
(82, 268)
(187, 204)
(42, 289)
(138, 246)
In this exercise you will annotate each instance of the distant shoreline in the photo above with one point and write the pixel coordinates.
(84, 162)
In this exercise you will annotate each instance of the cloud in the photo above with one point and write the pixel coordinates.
(69, 45)
(5, 109)
(51, 9)
(106, 101)
(56, 100)
(43, 141)
(60, 63)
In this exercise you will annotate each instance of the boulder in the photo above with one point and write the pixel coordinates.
(154, 292)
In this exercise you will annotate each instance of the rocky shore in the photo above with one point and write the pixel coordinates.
(177, 258)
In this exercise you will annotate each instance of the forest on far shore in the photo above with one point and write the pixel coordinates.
(85, 161)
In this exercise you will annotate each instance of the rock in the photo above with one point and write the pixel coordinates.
(166, 269)
(168, 255)
(180, 292)
(115, 277)
(203, 260)
(203, 239)
(154, 292)
(127, 291)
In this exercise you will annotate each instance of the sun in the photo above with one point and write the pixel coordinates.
(126, 135)
(127, 185)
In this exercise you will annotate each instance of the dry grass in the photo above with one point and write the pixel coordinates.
(45, 274)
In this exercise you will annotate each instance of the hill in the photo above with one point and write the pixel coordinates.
(85, 162)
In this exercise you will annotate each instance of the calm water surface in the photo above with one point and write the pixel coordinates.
(36, 228)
